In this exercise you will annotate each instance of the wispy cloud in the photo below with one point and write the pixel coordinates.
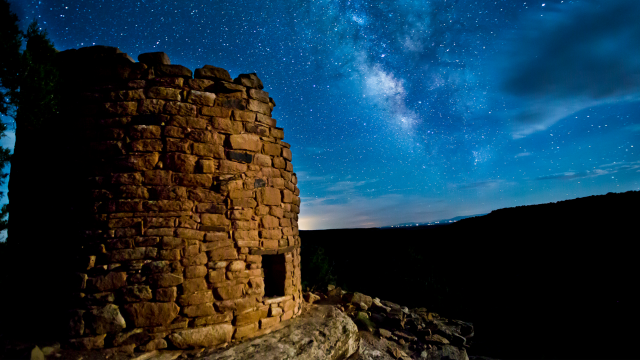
(579, 55)
(488, 184)
(346, 186)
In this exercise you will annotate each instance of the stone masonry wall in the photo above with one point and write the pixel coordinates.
(191, 188)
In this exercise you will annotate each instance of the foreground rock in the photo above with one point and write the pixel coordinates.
(391, 331)
(321, 332)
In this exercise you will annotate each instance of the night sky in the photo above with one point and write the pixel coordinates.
(409, 111)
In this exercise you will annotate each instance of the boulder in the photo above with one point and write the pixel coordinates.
(321, 333)
(357, 298)
(445, 352)
(363, 322)
(37, 354)
(436, 339)
(311, 297)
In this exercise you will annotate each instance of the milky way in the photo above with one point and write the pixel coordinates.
(410, 111)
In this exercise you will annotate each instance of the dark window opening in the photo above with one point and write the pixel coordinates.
(274, 275)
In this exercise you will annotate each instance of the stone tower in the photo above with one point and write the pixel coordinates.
(191, 234)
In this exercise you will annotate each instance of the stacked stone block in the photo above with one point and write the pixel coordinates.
(191, 186)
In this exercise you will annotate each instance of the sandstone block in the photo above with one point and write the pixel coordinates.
(277, 133)
(221, 241)
(273, 234)
(192, 311)
(172, 71)
(193, 272)
(262, 160)
(216, 276)
(154, 58)
(216, 111)
(228, 253)
(172, 82)
(151, 314)
(167, 294)
(151, 106)
(287, 196)
(275, 311)
(269, 196)
(181, 163)
(104, 320)
(178, 108)
(289, 305)
(244, 225)
(214, 319)
(259, 107)
(127, 178)
(268, 322)
(193, 180)
(249, 80)
(245, 330)
(229, 292)
(202, 337)
(157, 177)
(245, 235)
(163, 93)
(270, 222)
(246, 214)
(203, 195)
(252, 316)
(271, 149)
(212, 72)
(199, 259)
(121, 108)
(200, 84)
(245, 142)
(145, 132)
(201, 98)
(287, 315)
(230, 167)
(166, 280)
(179, 145)
(267, 120)
(246, 116)
(206, 166)
(286, 153)
(214, 220)
(111, 281)
(237, 265)
(137, 161)
(259, 95)
(191, 286)
(136, 293)
(126, 95)
(279, 162)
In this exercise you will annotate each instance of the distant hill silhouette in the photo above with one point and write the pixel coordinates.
(547, 281)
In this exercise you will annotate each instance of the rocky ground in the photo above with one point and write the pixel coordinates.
(333, 325)
(391, 331)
